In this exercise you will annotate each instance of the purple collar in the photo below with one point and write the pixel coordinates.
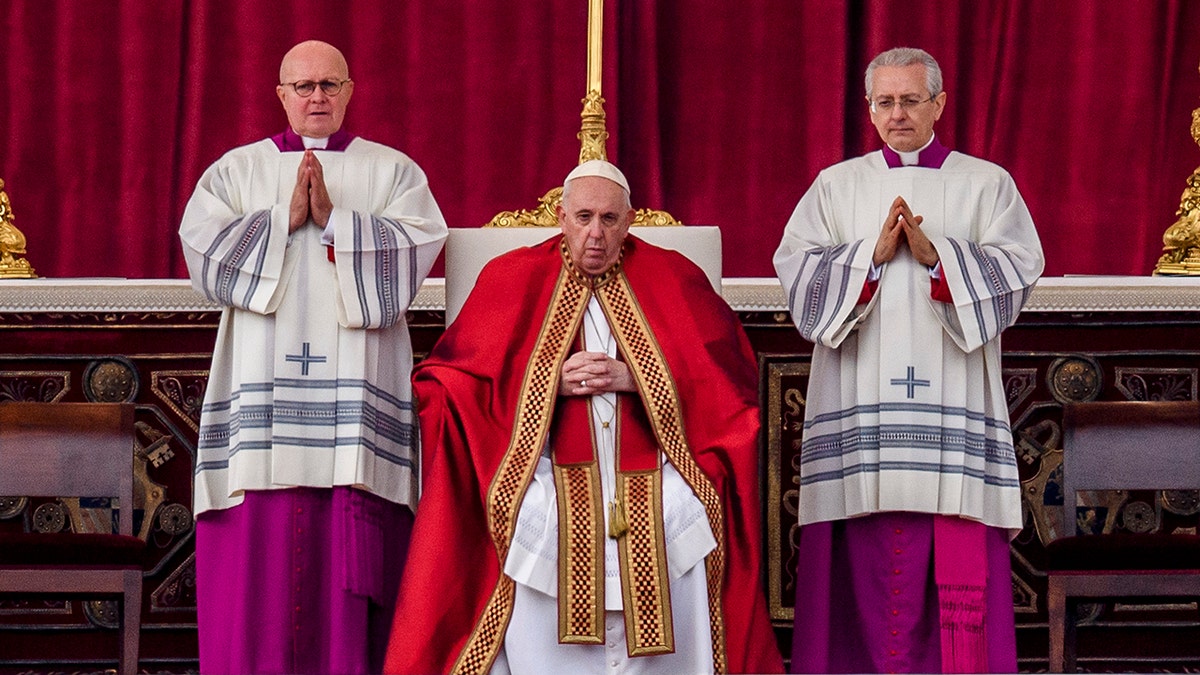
(931, 157)
(290, 141)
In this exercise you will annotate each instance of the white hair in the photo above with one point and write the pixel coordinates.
(908, 56)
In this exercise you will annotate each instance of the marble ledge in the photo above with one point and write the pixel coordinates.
(1052, 294)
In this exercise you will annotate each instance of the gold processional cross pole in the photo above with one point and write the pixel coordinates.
(593, 138)
(593, 134)
(1181, 241)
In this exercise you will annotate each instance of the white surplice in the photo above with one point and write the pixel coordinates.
(906, 408)
(310, 377)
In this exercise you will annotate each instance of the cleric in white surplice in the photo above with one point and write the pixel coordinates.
(316, 242)
(903, 266)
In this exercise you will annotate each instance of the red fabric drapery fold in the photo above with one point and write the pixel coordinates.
(720, 112)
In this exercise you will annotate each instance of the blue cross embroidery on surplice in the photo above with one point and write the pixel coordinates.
(305, 358)
(911, 382)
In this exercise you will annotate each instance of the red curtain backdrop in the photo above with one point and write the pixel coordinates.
(720, 111)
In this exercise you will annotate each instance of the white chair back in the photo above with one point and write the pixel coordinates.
(468, 249)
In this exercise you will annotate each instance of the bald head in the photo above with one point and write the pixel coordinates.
(310, 51)
(320, 68)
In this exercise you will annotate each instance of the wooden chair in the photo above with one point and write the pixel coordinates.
(73, 450)
(1132, 445)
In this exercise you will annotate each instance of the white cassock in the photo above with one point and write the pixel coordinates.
(907, 410)
(531, 643)
(310, 376)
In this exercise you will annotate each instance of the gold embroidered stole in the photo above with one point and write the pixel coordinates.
(642, 549)
(635, 523)
(660, 397)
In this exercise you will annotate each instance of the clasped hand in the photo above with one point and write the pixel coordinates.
(903, 228)
(309, 197)
(587, 373)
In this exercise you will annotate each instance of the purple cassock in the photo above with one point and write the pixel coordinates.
(867, 600)
(867, 588)
(320, 601)
(321, 597)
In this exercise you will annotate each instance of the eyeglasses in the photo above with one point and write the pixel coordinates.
(305, 88)
(885, 105)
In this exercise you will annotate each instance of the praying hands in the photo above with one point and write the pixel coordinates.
(586, 373)
(310, 198)
(900, 227)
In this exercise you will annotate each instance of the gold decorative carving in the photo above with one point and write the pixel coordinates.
(1143, 607)
(1019, 383)
(1157, 384)
(653, 218)
(1024, 597)
(1181, 241)
(16, 606)
(1182, 502)
(545, 215)
(12, 243)
(150, 446)
(49, 518)
(542, 216)
(34, 385)
(174, 519)
(1033, 441)
(11, 507)
(1096, 511)
(1075, 378)
(1139, 517)
(96, 517)
(593, 136)
(182, 391)
(785, 424)
(178, 591)
(103, 613)
(110, 381)
(1042, 494)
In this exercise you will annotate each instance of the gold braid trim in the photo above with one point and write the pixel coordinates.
(481, 650)
(580, 554)
(649, 622)
(657, 388)
(535, 409)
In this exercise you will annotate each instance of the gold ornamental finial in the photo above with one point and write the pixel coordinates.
(1181, 241)
(12, 243)
(593, 134)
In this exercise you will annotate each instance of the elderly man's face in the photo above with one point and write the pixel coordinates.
(594, 217)
(902, 109)
(318, 115)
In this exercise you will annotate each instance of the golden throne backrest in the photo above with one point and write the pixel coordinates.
(544, 215)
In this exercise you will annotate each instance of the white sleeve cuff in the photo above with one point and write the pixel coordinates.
(874, 272)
